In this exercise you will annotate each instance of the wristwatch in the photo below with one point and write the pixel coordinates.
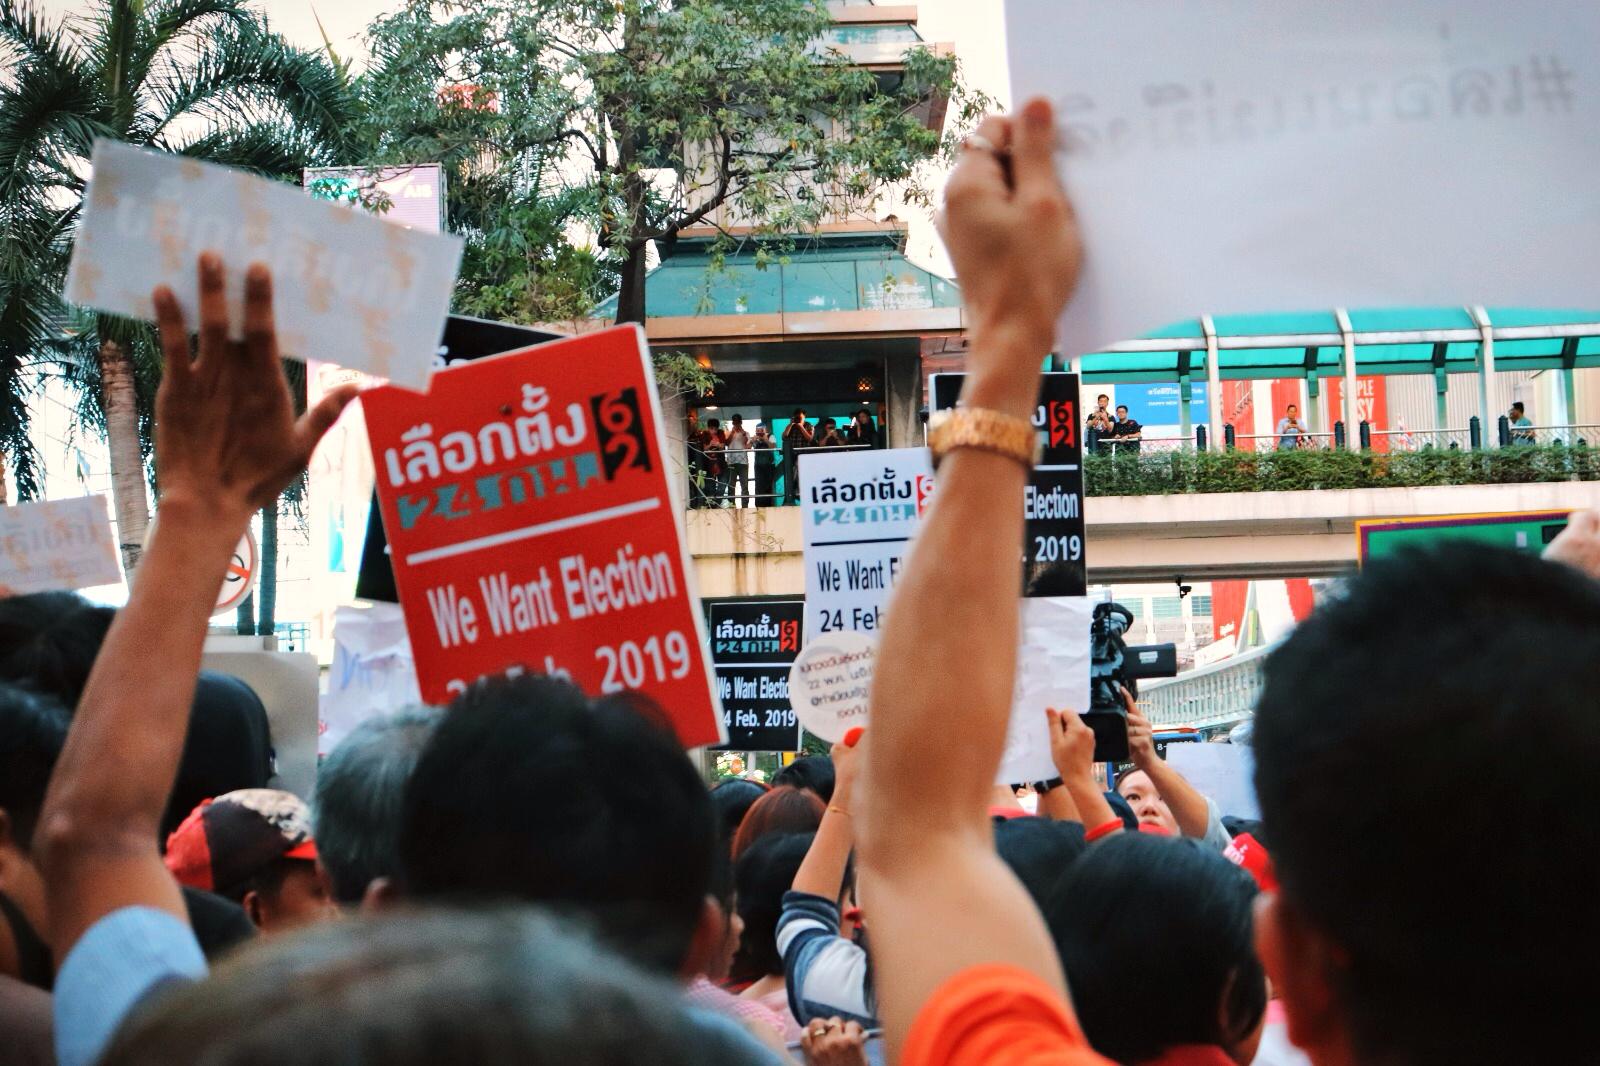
(985, 430)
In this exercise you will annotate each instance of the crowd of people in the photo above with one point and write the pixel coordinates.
(534, 875)
(732, 467)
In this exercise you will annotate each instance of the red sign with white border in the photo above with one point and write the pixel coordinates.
(530, 527)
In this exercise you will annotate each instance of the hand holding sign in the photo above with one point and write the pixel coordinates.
(830, 684)
(227, 440)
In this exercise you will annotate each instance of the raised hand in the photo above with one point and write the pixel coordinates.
(227, 439)
(1015, 244)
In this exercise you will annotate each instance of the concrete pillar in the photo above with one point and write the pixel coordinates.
(1213, 380)
(1352, 403)
(902, 392)
(1486, 412)
(1185, 402)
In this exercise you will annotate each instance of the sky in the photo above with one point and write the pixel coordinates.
(973, 27)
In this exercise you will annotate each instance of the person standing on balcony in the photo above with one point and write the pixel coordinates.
(716, 463)
(1290, 428)
(796, 435)
(1126, 433)
(862, 432)
(763, 447)
(1521, 425)
(737, 456)
(1100, 424)
(831, 437)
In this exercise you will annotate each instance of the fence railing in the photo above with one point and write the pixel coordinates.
(1577, 435)
(757, 477)
(1216, 695)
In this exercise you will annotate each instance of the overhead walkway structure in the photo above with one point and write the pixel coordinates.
(1318, 345)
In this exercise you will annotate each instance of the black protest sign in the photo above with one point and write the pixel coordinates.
(465, 339)
(1053, 543)
(753, 645)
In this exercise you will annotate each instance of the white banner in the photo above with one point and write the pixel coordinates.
(858, 512)
(372, 671)
(1052, 672)
(57, 544)
(1243, 156)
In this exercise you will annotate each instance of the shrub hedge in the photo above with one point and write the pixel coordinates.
(1166, 473)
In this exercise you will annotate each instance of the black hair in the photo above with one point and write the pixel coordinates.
(1122, 407)
(425, 987)
(762, 875)
(811, 771)
(1102, 396)
(48, 642)
(733, 799)
(33, 729)
(228, 746)
(799, 412)
(1038, 850)
(1397, 722)
(1517, 406)
(1156, 938)
(715, 423)
(530, 790)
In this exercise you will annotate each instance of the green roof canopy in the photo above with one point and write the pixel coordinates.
(852, 272)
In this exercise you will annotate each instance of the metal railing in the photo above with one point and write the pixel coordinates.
(1577, 434)
(1216, 695)
(1271, 442)
(1417, 440)
(769, 473)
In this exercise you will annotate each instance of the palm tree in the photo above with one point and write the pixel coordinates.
(202, 78)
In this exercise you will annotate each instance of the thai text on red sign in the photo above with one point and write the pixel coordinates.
(530, 526)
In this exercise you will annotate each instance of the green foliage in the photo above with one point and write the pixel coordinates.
(677, 374)
(204, 78)
(1166, 473)
(577, 131)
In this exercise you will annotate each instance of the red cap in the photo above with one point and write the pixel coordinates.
(1246, 851)
(227, 841)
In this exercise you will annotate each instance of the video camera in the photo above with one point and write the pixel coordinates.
(1114, 665)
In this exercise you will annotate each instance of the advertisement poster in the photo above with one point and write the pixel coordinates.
(530, 527)
(1053, 538)
(753, 646)
(858, 512)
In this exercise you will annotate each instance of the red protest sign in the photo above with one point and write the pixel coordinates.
(530, 526)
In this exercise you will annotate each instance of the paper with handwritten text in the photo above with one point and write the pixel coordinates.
(348, 288)
(57, 544)
(1242, 156)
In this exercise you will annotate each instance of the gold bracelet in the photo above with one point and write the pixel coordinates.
(986, 430)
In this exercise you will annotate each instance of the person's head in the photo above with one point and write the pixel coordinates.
(1136, 787)
(32, 730)
(723, 895)
(814, 772)
(228, 747)
(497, 988)
(1038, 850)
(1155, 936)
(1122, 410)
(733, 797)
(356, 808)
(48, 642)
(761, 431)
(1293, 411)
(714, 424)
(786, 809)
(1517, 409)
(255, 848)
(1398, 723)
(799, 415)
(530, 790)
(761, 876)
(1101, 401)
(738, 421)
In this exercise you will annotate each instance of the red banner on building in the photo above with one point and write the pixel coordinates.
(530, 526)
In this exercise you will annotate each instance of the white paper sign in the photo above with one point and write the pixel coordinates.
(858, 512)
(348, 287)
(372, 672)
(57, 544)
(1052, 672)
(830, 684)
(1242, 156)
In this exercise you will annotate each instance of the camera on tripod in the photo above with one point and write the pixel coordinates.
(1114, 665)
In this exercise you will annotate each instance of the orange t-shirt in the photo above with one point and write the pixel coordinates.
(997, 1013)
